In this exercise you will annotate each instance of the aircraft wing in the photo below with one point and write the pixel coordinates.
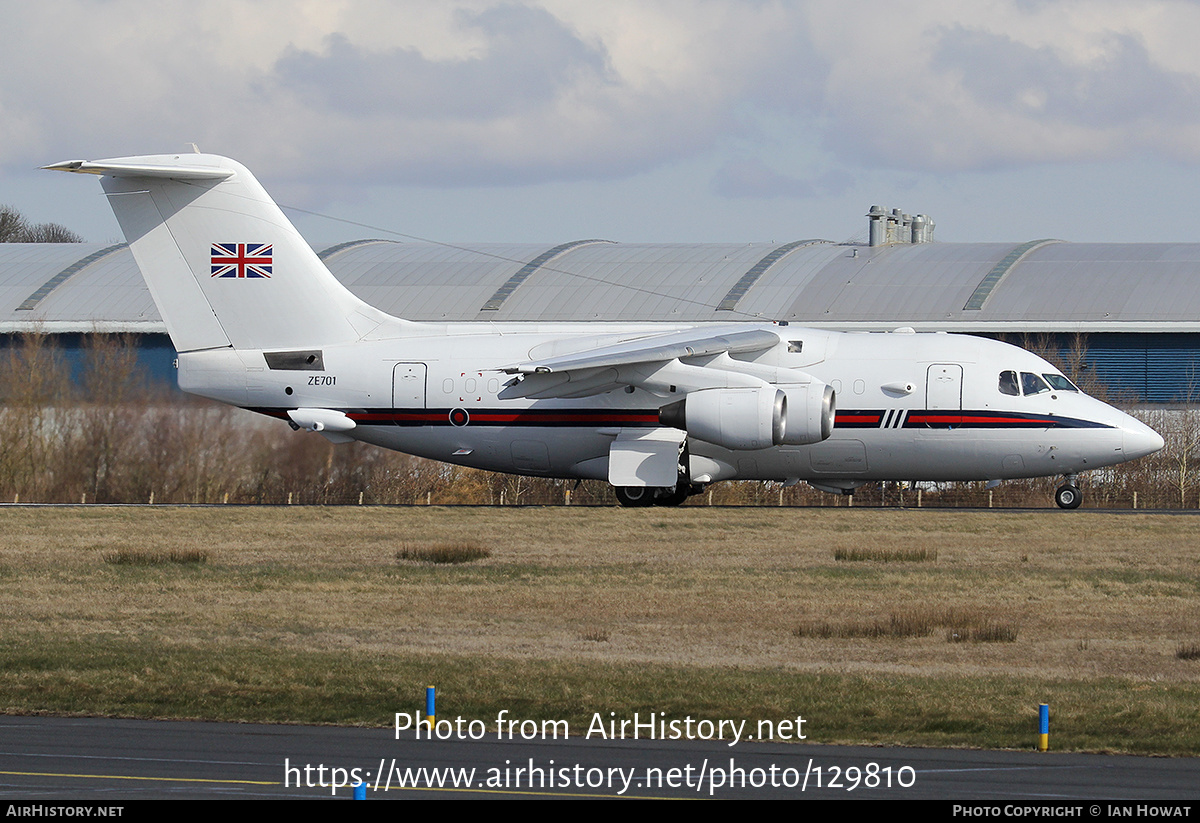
(738, 404)
(653, 363)
(660, 348)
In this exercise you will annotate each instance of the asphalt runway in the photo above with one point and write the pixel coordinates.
(113, 761)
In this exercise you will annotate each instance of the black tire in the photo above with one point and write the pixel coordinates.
(634, 496)
(1068, 497)
(671, 497)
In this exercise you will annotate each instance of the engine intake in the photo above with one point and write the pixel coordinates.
(811, 409)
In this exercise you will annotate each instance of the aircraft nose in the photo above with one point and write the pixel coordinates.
(1139, 440)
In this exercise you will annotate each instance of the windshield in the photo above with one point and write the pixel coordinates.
(1032, 384)
(1060, 383)
(1008, 383)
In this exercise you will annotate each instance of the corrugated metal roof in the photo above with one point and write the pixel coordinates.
(496, 301)
(1033, 286)
(747, 281)
(993, 277)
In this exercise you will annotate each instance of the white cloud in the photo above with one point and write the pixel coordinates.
(960, 86)
(473, 93)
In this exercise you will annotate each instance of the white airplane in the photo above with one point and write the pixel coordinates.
(658, 410)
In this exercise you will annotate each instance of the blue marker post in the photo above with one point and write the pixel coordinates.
(360, 791)
(430, 714)
(1043, 727)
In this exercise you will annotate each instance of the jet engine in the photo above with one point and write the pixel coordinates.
(742, 419)
(745, 419)
(810, 411)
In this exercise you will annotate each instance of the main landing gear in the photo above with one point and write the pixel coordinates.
(635, 496)
(1068, 495)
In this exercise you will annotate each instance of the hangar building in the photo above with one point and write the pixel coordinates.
(1129, 312)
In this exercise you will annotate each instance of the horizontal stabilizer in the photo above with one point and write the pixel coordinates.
(116, 169)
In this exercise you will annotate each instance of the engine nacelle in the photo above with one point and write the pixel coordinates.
(742, 418)
(810, 411)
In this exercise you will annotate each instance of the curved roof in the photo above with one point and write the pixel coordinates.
(1036, 285)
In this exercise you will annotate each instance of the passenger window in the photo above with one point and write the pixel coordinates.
(1008, 383)
(1032, 384)
(1060, 383)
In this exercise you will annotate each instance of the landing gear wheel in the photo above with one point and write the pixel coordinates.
(634, 496)
(1068, 497)
(672, 497)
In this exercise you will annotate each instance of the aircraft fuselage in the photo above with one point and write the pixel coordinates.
(910, 406)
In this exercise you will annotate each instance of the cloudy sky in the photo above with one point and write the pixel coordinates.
(630, 120)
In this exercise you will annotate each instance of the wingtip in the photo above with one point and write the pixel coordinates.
(65, 165)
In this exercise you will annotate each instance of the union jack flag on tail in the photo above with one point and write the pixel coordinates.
(241, 259)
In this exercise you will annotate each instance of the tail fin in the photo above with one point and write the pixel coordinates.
(225, 267)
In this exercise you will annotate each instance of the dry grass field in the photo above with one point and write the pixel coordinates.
(913, 626)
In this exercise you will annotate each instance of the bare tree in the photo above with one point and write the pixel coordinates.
(14, 228)
(12, 225)
(50, 233)
(1181, 433)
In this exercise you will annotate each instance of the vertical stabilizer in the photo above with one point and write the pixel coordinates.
(225, 267)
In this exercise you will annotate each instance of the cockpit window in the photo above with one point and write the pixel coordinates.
(1060, 383)
(1032, 384)
(1008, 383)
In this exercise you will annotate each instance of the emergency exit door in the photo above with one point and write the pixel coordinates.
(943, 387)
(408, 386)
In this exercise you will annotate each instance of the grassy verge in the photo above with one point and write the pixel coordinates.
(244, 683)
(307, 615)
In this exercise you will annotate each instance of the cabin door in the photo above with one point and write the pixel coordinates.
(408, 386)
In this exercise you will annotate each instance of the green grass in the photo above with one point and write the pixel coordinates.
(305, 615)
(255, 683)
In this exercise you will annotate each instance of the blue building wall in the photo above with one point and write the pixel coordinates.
(154, 354)
(1158, 368)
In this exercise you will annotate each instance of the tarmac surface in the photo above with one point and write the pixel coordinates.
(112, 761)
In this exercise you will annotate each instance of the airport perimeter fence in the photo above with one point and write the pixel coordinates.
(469, 487)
